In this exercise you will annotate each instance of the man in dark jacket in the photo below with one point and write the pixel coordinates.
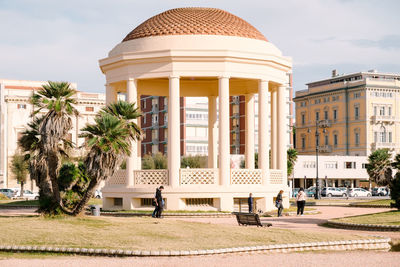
(159, 202)
(250, 202)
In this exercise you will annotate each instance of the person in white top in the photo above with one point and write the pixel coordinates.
(301, 201)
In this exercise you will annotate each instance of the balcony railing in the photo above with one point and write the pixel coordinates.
(325, 149)
(383, 145)
(380, 118)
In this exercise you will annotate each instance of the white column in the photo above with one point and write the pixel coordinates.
(263, 135)
(139, 142)
(249, 139)
(274, 116)
(282, 132)
(224, 136)
(110, 94)
(131, 96)
(174, 136)
(212, 132)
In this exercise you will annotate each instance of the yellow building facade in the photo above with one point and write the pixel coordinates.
(352, 114)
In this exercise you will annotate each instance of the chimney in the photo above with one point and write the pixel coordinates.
(334, 73)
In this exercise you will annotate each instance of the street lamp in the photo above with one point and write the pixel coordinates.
(317, 188)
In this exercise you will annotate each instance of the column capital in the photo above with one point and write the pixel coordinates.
(224, 77)
(264, 81)
(131, 79)
(174, 76)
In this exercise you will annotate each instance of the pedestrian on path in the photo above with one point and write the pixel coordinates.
(159, 202)
(279, 203)
(301, 201)
(250, 202)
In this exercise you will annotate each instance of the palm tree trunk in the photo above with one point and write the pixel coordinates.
(53, 160)
(22, 189)
(86, 197)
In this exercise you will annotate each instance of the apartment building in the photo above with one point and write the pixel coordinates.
(350, 114)
(16, 110)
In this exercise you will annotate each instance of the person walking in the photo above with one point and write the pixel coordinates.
(279, 203)
(159, 202)
(301, 201)
(250, 202)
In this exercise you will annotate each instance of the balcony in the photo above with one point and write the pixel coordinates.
(324, 123)
(379, 118)
(383, 145)
(325, 149)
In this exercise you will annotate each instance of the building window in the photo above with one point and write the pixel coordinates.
(89, 109)
(334, 114)
(154, 134)
(21, 106)
(165, 134)
(331, 165)
(375, 137)
(144, 119)
(303, 119)
(326, 140)
(154, 103)
(165, 118)
(144, 104)
(357, 139)
(325, 114)
(390, 137)
(375, 111)
(350, 165)
(317, 116)
(364, 165)
(165, 102)
(317, 140)
(235, 109)
(303, 142)
(357, 95)
(382, 111)
(154, 149)
(155, 119)
(382, 135)
(390, 111)
(356, 112)
(335, 140)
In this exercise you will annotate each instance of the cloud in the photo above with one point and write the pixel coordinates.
(386, 42)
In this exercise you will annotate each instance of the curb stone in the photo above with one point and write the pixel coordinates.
(368, 244)
(367, 227)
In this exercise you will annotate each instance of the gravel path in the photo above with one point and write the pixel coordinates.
(354, 259)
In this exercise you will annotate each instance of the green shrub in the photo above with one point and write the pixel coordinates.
(148, 162)
(395, 191)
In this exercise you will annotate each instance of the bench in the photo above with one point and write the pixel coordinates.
(250, 219)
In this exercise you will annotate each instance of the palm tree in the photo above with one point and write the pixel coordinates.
(109, 142)
(291, 160)
(395, 183)
(19, 166)
(379, 167)
(57, 99)
(31, 144)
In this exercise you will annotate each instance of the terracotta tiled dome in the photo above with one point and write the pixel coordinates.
(195, 21)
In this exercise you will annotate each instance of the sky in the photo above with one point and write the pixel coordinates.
(63, 40)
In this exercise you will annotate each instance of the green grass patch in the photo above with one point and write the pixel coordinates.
(377, 202)
(142, 233)
(382, 218)
(20, 203)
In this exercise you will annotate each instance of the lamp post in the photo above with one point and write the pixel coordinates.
(317, 187)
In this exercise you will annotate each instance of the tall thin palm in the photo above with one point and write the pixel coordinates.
(291, 160)
(19, 166)
(56, 98)
(379, 167)
(109, 142)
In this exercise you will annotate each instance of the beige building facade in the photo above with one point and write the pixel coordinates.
(354, 114)
(202, 52)
(16, 113)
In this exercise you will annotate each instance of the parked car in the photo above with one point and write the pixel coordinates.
(332, 192)
(359, 192)
(8, 192)
(295, 191)
(380, 191)
(308, 192)
(28, 194)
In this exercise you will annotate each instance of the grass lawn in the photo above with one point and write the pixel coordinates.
(377, 202)
(92, 201)
(386, 218)
(145, 233)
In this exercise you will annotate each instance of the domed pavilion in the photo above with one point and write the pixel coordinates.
(202, 52)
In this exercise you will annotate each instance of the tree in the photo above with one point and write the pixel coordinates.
(395, 183)
(193, 162)
(148, 162)
(57, 99)
(379, 167)
(160, 161)
(19, 166)
(291, 160)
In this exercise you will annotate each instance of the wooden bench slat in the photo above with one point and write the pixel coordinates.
(250, 219)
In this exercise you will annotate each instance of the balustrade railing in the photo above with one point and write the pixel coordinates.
(119, 178)
(275, 176)
(150, 177)
(246, 176)
(198, 176)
